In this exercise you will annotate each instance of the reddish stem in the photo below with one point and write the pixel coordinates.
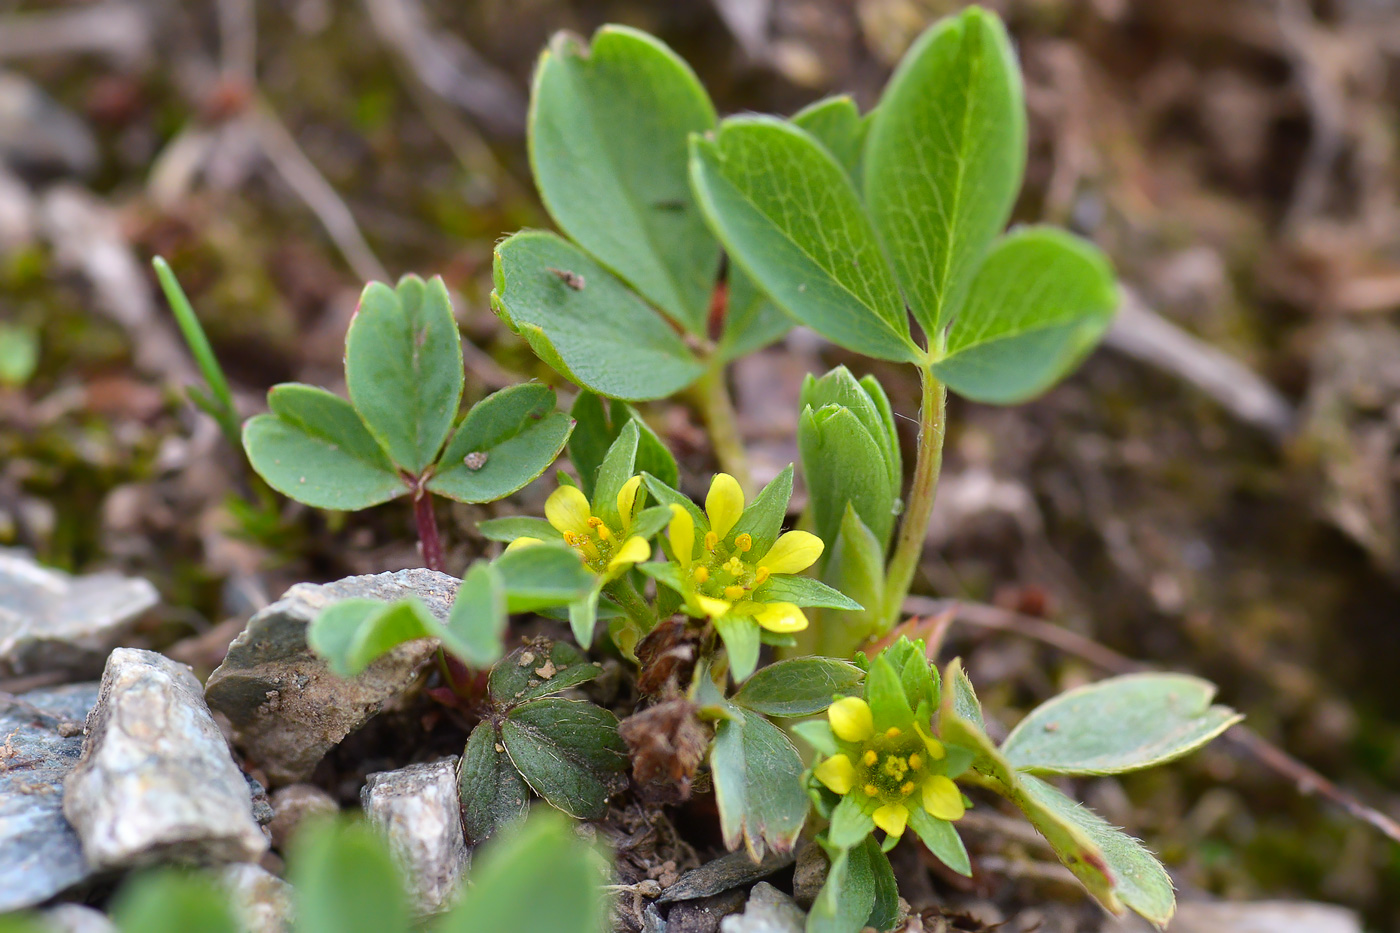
(428, 538)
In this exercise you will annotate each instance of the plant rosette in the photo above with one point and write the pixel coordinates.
(731, 567)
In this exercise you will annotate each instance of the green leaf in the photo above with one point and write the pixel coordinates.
(943, 159)
(539, 876)
(616, 469)
(518, 432)
(836, 124)
(314, 448)
(403, 367)
(585, 322)
(19, 354)
(885, 693)
(23, 923)
(537, 670)
(801, 233)
(352, 633)
(763, 518)
(583, 617)
(597, 429)
(1139, 880)
(172, 901)
(816, 733)
(884, 913)
(1117, 725)
(1039, 303)
(568, 751)
(843, 466)
(848, 896)
(751, 321)
(851, 822)
(867, 401)
(543, 575)
(855, 565)
(493, 793)
(942, 840)
(345, 881)
(804, 591)
(608, 130)
(758, 784)
(799, 686)
(741, 642)
(476, 626)
(511, 527)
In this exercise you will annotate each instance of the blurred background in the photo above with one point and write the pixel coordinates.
(1216, 491)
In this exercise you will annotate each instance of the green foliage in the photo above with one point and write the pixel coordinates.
(608, 134)
(566, 751)
(172, 901)
(214, 398)
(344, 880)
(19, 354)
(404, 373)
(597, 424)
(1121, 724)
(1117, 725)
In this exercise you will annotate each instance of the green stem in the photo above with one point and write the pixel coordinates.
(914, 528)
(632, 603)
(219, 400)
(718, 412)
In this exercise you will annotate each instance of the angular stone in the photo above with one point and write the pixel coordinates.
(156, 780)
(262, 902)
(768, 911)
(723, 873)
(1249, 917)
(809, 874)
(293, 804)
(285, 706)
(40, 742)
(420, 810)
(51, 621)
(75, 918)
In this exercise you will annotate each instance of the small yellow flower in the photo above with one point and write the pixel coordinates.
(567, 509)
(722, 578)
(897, 770)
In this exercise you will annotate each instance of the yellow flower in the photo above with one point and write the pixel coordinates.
(890, 770)
(722, 577)
(606, 551)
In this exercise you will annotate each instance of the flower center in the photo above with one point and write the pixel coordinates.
(892, 766)
(723, 573)
(597, 546)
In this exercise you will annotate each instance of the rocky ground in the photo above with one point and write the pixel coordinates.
(1215, 492)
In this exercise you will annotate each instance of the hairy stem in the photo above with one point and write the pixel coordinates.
(718, 412)
(632, 603)
(428, 538)
(913, 529)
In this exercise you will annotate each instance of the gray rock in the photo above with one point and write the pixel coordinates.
(50, 621)
(420, 810)
(293, 804)
(156, 780)
(769, 911)
(723, 873)
(40, 742)
(75, 918)
(262, 902)
(703, 915)
(285, 706)
(37, 134)
(809, 874)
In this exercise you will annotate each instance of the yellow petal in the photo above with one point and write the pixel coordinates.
(724, 503)
(794, 552)
(781, 617)
(837, 773)
(627, 501)
(634, 551)
(525, 541)
(567, 510)
(714, 608)
(935, 747)
(942, 798)
(891, 818)
(851, 719)
(681, 533)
